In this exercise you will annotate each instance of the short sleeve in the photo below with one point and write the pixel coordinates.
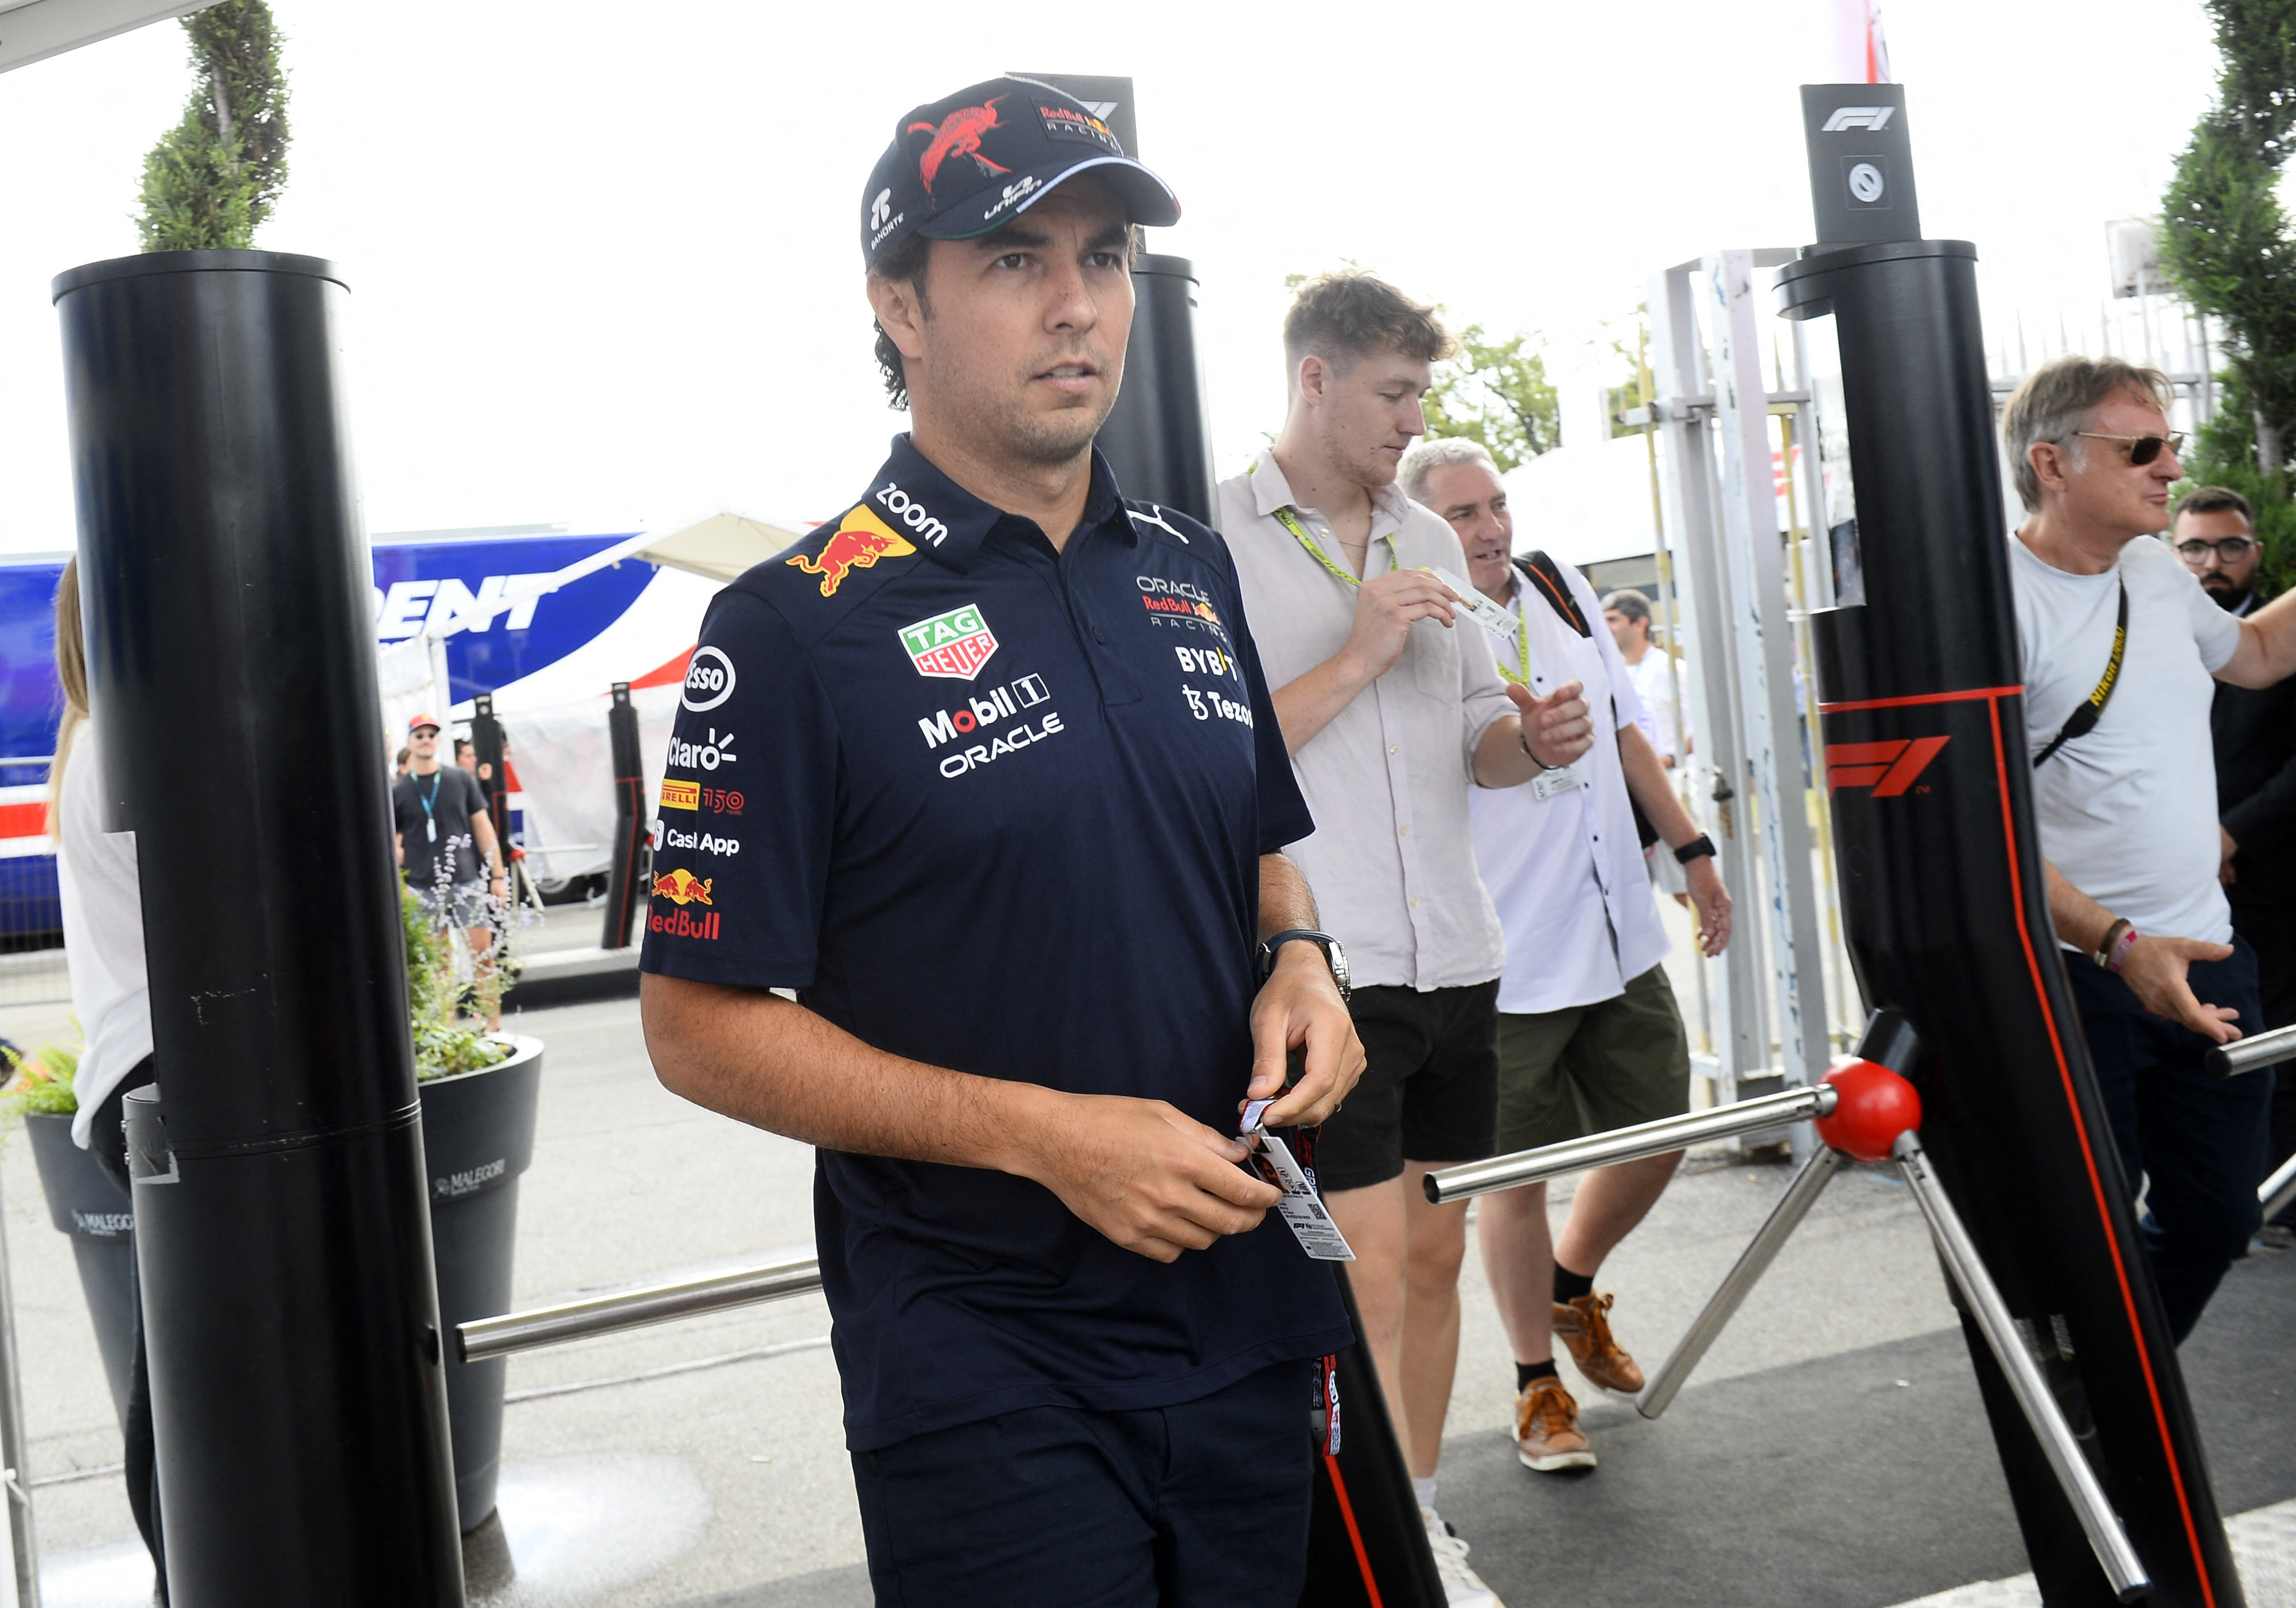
(748, 810)
(474, 797)
(2215, 630)
(1284, 817)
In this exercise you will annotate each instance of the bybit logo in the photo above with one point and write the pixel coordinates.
(1889, 768)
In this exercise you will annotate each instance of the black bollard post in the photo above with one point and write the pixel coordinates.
(285, 1239)
(1158, 437)
(624, 891)
(1945, 912)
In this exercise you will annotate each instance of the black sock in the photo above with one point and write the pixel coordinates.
(1525, 1372)
(1569, 1287)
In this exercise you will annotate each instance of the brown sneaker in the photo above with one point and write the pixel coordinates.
(1583, 1324)
(1547, 1435)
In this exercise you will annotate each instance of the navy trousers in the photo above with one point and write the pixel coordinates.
(1200, 1505)
(2196, 1142)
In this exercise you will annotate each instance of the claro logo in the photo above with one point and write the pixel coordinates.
(1889, 768)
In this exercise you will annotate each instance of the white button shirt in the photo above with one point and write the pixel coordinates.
(1567, 871)
(1391, 860)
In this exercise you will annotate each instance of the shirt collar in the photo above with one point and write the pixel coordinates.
(950, 523)
(1270, 491)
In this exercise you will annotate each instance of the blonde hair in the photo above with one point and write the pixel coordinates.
(2059, 399)
(71, 671)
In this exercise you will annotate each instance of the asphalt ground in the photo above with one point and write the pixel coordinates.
(1795, 1468)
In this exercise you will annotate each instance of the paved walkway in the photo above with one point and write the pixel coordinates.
(1830, 1450)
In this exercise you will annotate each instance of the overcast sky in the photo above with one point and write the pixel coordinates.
(605, 263)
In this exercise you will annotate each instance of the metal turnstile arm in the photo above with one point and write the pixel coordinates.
(2103, 1526)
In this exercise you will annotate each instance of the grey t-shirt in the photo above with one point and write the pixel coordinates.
(447, 798)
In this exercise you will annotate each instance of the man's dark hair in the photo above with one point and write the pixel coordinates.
(2212, 499)
(1348, 316)
(905, 264)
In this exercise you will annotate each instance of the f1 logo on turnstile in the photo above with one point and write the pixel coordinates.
(1889, 768)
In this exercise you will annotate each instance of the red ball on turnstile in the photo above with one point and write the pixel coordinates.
(1875, 1105)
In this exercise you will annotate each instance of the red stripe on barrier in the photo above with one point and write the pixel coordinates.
(1355, 1535)
(2088, 1159)
(1970, 696)
(28, 820)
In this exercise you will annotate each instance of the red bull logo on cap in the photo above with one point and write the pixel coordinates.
(861, 539)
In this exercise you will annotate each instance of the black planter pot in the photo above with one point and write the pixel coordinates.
(85, 1204)
(478, 1137)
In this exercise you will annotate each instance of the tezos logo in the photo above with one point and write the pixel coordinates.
(708, 680)
(1845, 118)
(881, 210)
(1889, 768)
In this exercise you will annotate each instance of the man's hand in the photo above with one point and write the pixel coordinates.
(1148, 1175)
(1386, 610)
(2227, 847)
(1712, 901)
(1556, 728)
(2155, 971)
(1300, 1006)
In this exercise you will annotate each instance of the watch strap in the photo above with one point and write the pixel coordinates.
(1700, 847)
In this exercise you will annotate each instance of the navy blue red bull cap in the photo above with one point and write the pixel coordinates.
(977, 159)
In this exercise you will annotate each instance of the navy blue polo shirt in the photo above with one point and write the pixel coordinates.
(999, 808)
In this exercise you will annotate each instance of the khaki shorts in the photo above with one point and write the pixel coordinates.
(1587, 1070)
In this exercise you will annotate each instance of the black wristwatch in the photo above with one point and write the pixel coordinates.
(1334, 956)
(1700, 848)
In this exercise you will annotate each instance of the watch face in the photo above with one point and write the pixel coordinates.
(1339, 957)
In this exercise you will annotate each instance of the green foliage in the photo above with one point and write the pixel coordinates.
(443, 1043)
(40, 1085)
(214, 178)
(1496, 392)
(2226, 243)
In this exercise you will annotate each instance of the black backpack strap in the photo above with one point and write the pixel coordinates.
(1546, 576)
(2083, 718)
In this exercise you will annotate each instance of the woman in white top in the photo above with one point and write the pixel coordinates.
(112, 994)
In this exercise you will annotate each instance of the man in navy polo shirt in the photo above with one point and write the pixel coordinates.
(986, 771)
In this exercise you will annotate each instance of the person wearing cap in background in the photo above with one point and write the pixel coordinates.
(1027, 797)
(1590, 1038)
(443, 828)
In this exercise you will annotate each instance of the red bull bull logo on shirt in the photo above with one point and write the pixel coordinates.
(682, 887)
(955, 645)
(861, 539)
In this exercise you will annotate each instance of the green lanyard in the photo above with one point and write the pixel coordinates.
(1285, 518)
(1523, 648)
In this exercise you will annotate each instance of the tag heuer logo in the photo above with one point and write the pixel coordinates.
(955, 645)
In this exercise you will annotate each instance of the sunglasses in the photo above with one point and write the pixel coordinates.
(2142, 449)
(2229, 549)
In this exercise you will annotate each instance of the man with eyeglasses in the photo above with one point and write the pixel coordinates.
(2119, 643)
(2254, 735)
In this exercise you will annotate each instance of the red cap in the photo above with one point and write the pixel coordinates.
(420, 721)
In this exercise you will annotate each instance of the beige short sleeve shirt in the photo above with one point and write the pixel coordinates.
(1392, 859)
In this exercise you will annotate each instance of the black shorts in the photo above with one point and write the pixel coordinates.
(1430, 1092)
(1205, 1504)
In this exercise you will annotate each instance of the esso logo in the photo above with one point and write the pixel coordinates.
(708, 680)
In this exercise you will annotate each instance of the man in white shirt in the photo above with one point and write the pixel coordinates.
(2119, 643)
(1590, 1038)
(1651, 669)
(1392, 711)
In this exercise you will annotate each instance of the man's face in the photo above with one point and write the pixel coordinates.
(423, 744)
(1626, 631)
(1471, 498)
(2222, 577)
(2101, 487)
(1023, 351)
(1366, 416)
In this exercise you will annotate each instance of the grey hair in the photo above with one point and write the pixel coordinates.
(1629, 602)
(2059, 400)
(1425, 457)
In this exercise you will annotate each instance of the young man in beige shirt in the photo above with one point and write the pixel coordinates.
(1391, 708)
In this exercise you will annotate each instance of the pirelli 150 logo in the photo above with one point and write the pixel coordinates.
(1889, 768)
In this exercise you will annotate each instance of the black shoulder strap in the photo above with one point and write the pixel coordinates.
(1548, 576)
(2084, 719)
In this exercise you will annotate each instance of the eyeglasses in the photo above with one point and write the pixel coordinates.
(2142, 449)
(2228, 549)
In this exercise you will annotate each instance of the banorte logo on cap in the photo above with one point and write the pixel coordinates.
(957, 135)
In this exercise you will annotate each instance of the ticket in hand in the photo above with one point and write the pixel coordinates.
(1486, 613)
(1310, 1224)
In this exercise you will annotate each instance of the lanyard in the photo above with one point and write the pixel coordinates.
(1285, 517)
(1521, 647)
(429, 812)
